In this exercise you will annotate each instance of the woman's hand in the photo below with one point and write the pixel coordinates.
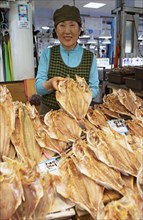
(52, 83)
(55, 81)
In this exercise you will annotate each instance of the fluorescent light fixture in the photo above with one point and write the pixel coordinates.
(105, 34)
(45, 28)
(92, 41)
(83, 46)
(56, 41)
(106, 41)
(92, 47)
(96, 49)
(84, 36)
(140, 37)
(79, 41)
(94, 5)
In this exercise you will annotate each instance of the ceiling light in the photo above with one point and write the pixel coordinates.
(79, 41)
(94, 5)
(105, 34)
(56, 41)
(85, 36)
(84, 46)
(92, 41)
(45, 28)
(140, 37)
(106, 41)
(92, 47)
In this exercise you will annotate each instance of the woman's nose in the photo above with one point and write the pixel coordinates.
(67, 29)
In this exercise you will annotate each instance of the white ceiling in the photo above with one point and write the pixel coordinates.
(43, 9)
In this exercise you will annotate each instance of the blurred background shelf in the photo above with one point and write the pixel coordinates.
(123, 86)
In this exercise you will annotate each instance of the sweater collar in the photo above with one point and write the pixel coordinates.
(74, 49)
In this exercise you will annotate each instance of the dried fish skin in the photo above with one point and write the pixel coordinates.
(74, 97)
(61, 126)
(33, 192)
(96, 117)
(135, 127)
(34, 115)
(130, 100)
(107, 112)
(111, 101)
(46, 201)
(11, 191)
(88, 196)
(125, 208)
(140, 180)
(88, 164)
(23, 138)
(12, 152)
(45, 141)
(83, 86)
(7, 120)
(51, 200)
(32, 188)
(112, 153)
(126, 99)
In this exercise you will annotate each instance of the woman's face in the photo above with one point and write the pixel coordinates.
(68, 33)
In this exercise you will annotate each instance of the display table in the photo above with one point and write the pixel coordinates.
(123, 86)
(17, 90)
(21, 90)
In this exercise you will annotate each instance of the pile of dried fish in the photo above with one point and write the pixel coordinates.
(26, 193)
(99, 171)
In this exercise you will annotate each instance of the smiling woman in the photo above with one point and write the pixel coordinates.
(66, 59)
(68, 33)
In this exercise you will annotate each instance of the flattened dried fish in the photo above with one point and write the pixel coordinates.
(110, 152)
(11, 191)
(79, 188)
(7, 120)
(96, 117)
(45, 141)
(88, 164)
(74, 97)
(23, 138)
(61, 126)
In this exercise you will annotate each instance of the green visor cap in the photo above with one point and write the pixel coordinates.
(67, 13)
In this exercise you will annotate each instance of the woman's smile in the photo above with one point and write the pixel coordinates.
(68, 33)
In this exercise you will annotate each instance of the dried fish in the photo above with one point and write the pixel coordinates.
(74, 97)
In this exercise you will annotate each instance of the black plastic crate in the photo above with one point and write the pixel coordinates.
(139, 73)
(133, 83)
(118, 78)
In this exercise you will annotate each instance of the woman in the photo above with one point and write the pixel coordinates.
(66, 59)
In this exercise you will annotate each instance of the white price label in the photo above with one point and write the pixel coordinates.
(50, 165)
(118, 125)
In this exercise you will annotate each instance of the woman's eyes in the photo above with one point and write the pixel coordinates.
(61, 25)
(70, 25)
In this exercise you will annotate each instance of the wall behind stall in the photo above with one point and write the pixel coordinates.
(21, 43)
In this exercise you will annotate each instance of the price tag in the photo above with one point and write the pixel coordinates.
(50, 165)
(118, 125)
(102, 62)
